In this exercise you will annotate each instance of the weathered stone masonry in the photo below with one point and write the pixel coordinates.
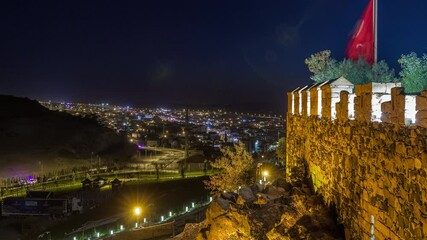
(375, 173)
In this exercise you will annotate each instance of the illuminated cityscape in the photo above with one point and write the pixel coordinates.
(159, 127)
(213, 120)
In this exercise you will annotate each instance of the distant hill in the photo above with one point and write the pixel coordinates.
(34, 133)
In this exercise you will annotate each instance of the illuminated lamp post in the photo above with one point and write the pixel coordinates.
(137, 212)
(265, 174)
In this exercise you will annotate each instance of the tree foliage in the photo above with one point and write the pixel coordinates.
(325, 68)
(281, 149)
(414, 72)
(383, 73)
(357, 72)
(318, 62)
(236, 164)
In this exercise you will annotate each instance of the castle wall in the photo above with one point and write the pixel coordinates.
(375, 173)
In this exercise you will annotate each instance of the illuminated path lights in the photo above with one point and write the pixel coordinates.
(137, 211)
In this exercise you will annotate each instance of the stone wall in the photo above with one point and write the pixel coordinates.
(375, 173)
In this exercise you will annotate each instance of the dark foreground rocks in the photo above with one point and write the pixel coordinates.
(277, 211)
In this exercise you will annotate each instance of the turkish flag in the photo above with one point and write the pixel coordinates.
(361, 43)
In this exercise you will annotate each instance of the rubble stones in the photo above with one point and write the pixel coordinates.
(266, 217)
(229, 196)
(223, 203)
(247, 194)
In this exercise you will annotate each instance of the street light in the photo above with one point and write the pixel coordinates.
(137, 212)
(265, 174)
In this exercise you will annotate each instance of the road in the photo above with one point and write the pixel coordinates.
(167, 157)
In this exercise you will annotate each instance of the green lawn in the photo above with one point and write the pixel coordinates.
(65, 186)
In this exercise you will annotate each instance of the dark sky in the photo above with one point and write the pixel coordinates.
(244, 53)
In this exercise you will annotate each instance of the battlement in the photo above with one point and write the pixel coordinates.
(364, 149)
(340, 100)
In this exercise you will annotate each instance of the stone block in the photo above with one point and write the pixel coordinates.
(224, 204)
(247, 194)
(386, 107)
(397, 91)
(421, 103)
(289, 102)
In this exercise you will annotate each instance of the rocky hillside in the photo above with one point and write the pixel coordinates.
(30, 132)
(278, 211)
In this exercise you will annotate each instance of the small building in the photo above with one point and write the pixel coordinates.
(99, 182)
(116, 185)
(86, 184)
(330, 96)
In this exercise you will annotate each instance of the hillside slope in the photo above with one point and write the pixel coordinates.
(31, 135)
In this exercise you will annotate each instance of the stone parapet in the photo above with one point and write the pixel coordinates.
(394, 111)
(342, 107)
(314, 97)
(374, 173)
(421, 108)
(373, 168)
(372, 102)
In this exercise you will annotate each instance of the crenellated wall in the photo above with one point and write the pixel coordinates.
(372, 168)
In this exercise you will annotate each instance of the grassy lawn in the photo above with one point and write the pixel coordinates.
(65, 186)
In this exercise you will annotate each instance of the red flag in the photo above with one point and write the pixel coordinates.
(361, 43)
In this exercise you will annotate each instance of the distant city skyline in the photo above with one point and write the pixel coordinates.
(241, 54)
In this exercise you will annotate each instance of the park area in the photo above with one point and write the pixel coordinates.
(155, 196)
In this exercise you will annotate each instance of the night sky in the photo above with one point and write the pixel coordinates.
(245, 54)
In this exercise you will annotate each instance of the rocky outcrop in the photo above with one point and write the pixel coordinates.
(272, 213)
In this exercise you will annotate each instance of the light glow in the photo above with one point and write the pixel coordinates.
(137, 211)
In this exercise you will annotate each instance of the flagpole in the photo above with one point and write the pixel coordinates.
(375, 9)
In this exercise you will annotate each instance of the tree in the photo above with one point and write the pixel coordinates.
(318, 62)
(281, 149)
(322, 66)
(331, 72)
(383, 73)
(357, 72)
(414, 72)
(325, 68)
(236, 164)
